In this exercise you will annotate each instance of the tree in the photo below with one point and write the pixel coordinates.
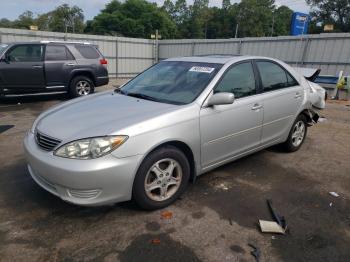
(133, 18)
(5, 23)
(25, 20)
(65, 18)
(255, 17)
(335, 12)
(282, 21)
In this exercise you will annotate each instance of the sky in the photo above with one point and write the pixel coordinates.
(11, 9)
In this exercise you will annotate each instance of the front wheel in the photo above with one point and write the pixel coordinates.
(161, 179)
(81, 86)
(297, 135)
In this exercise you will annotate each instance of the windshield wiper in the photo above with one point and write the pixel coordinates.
(142, 96)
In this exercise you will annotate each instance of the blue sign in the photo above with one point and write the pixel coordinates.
(300, 24)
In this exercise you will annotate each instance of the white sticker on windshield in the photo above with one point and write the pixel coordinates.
(202, 69)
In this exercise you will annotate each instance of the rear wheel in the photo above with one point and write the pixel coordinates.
(161, 179)
(81, 86)
(297, 135)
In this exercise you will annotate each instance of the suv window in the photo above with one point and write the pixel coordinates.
(26, 53)
(274, 77)
(57, 53)
(238, 80)
(87, 52)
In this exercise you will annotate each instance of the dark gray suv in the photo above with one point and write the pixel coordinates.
(51, 67)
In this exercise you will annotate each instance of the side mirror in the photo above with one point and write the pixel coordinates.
(221, 99)
(5, 58)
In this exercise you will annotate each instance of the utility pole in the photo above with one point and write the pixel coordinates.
(236, 34)
(273, 23)
(156, 37)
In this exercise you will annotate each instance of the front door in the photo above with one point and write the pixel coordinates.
(230, 130)
(23, 69)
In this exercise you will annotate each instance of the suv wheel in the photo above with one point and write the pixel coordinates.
(81, 86)
(161, 179)
(297, 135)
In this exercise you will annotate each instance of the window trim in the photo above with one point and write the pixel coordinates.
(262, 90)
(67, 52)
(18, 45)
(257, 86)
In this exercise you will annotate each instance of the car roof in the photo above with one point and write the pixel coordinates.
(215, 59)
(47, 42)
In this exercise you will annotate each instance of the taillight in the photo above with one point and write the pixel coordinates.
(103, 61)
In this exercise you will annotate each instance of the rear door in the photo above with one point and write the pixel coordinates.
(282, 98)
(59, 62)
(24, 69)
(230, 130)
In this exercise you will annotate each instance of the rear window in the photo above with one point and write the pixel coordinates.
(88, 52)
(57, 53)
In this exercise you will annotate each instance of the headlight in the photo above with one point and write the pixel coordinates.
(90, 148)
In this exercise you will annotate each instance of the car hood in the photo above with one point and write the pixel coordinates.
(98, 115)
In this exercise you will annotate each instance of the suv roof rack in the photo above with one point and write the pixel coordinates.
(64, 42)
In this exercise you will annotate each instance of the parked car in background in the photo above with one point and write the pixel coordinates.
(178, 119)
(49, 67)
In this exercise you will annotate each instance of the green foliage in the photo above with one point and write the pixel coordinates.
(133, 18)
(177, 19)
(60, 19)
(336, 12)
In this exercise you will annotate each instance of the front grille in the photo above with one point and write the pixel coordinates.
(45, 142)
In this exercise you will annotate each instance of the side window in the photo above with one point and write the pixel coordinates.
(57, 53)
(88, 52)
(274, 77)
(26, 53)
(238, 80)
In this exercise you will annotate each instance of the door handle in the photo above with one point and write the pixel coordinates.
(69, 64)
(257, 107)
(37, 66)
(297, 95)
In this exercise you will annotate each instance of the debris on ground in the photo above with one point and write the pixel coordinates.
(167, 215)
(331, 204)
(222, 186)
(271, 227)
(255, 253)
(322, 119)
(4, 128)
(334, 194)
(230, 221)
(155, 241)
(278, 226)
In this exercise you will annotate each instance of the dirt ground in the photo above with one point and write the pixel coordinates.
(215, 219)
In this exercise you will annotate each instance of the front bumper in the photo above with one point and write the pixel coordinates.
(102, 181)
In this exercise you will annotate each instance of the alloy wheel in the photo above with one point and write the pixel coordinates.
(163, 179)
(83, 88)
(298, 133)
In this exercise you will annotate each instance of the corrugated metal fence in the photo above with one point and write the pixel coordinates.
(330, 52)
(126, 56)
(129, 56)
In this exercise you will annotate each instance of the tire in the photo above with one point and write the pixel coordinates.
(81, 86)
(155, 174)
(296, 140)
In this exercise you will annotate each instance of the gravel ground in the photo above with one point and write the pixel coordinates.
(215, 219)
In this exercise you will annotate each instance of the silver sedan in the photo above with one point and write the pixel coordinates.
(175, 121)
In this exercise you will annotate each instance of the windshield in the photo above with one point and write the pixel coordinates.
(3, 47)
(172, 82)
